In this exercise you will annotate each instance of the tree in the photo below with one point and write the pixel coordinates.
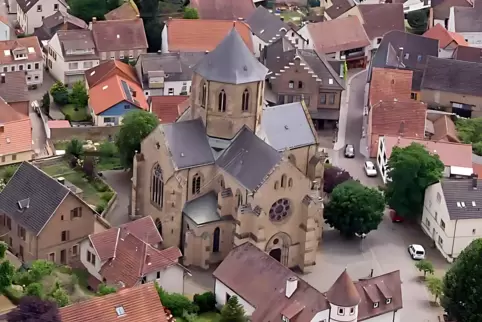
(104, 290)
(425, 266)
(176, 303)
(60, 93)
(354, 209)
(79, 96)
(40, 268)
(89, 167)
(153, 30)
(6, 269)
(462, 285)
(59, 296)
(232, 311)
(418, 21)
(46, 103)
(412, 170)
(470, 132)
(334, 176)
(205, 301)
(87, 9)
(35, 289)
(435, 287)
(190, 13)
(75, 148)
(33, 309)
(136, 125)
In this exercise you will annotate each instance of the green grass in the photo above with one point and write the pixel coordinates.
(106, 163)
(57, 169)
(73, 115)
(205, 317)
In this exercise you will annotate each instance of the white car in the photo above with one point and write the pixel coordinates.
(370, 169)
(416, 251)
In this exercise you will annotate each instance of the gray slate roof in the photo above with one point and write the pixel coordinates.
(286, 127)
(45, 194)
(461, 190)
(453, 76)
(266, 25)
(188, 143)
(15, 87)
(52, 23)
(468, 19)
(203, 210)
(248, 159)
(76, 40)
(231, 62)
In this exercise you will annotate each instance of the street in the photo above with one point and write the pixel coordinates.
(120, 181)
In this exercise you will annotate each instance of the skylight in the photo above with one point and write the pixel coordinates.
(105, 87)
(120, 311)
(6, 52)
(31, 50)
(92, 73)
(473, 204)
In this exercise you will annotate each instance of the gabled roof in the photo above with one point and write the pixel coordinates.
(44, 193)
(26, 5)
(287, 127)
(378, 19)
(77, 39)
(266, 25)
(467, 19)
(202, 210)
(30, 44)
(343, 292)
(444, 129)
(338, 34)
(467, 53)
(166, 107)
(248, 159)
(389, 84)
(106, 69)
(223, 9)
(458, 191)
(140, 303)
(128, 10)
(444, 36)
(53, 23)
(199, 35)
(453, 76)
(125, 34)
(187, 143)
(339, 7)
(16, 136)
(231, 62)
(14, 89)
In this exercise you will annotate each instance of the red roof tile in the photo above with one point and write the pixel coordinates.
(139, 304)
(444, 36)
(58, 124)
(477, 169)
(444, 129)
(15, 130)
(389, 84)
(107, 69)
(125, 34)
(34, 54)
(223, 9)
(343, 291)
(128, 10)
(166, 107)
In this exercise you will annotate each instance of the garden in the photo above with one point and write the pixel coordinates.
(73, 103)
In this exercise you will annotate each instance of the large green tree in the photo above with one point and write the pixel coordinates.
(470, 131)
(233, 311)
(149, 11)
(87, 9)
(354, 208)
(411, 169)
(418, 21)
(462, 285)
(6, 269)
(136, 125)
(79, 96)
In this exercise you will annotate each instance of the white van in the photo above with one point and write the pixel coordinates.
(416, 251)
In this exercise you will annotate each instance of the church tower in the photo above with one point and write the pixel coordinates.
(227, 88)
(344, 299)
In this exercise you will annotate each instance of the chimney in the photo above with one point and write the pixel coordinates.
(61, 180)
(475, 177)
(291, 286)
(3, 78)
(94, 19)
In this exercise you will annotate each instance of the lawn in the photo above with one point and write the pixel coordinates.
(204, 317)
(71, 114)
(289, 15)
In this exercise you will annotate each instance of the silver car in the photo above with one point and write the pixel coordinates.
(349, 151)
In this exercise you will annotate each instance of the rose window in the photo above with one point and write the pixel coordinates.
(280, 210)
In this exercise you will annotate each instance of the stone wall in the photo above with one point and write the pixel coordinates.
(94, 133)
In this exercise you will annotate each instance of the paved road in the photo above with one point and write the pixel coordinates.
(120, 181)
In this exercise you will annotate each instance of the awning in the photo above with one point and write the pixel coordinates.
(325, 114)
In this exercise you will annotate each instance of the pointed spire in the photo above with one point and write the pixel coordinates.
(343, 292)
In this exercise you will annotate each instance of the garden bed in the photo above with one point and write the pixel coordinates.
(74, 115)
(204, 317)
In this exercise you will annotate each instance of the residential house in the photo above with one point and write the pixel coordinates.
(441, 10)
(304, 75)
(4, 28)
(31, 13)
(44, 218)
(223, 9)
(131, 255)
(140, 304)
(416, 5)
(168, 108)
(341, 39)
(167, 74)
(106, 70)
(466, 22)
(453, 86)
(14, 91)
(15, 135)
(267, 290)
(119, 39)
(456, 157)
(447, 41)
(127, 10)
(443, 128)
(402, 50)
(200, 35)
(467, 53)
(378, 19)
(267, 28)
(70, 54)
(22, 54)
(451, 215)
(58, 21)
(335, 9)
(110, 99)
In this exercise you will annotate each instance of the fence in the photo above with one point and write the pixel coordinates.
(94, 133)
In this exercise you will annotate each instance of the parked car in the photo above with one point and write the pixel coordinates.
(394, 217)
(36, 107)
(416, 251)
(370, 169)
(349, 151)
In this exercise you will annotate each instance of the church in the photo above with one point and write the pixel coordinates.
(232, 170)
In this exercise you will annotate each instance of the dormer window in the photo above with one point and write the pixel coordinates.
(352, 311)
(376, 305)
(388, 301)
(341, 311)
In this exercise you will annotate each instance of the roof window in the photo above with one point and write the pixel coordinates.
(23, 204)
(388, 300)
(120, 311)
(376, 305)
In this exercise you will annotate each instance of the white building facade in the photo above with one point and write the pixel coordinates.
(30, 14)
(23, 55)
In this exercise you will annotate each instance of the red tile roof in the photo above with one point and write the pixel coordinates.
(125, 34)
(199, 35)
(108, 69)
(167, 108)
(444, 129)
(223, 9)
(343, 292)
(477, 169)
(58, 124)
(139, 304)
(444, 36)
(15, 131)
(389, 84)
(110, 92)
(128, 10)
(34, 54)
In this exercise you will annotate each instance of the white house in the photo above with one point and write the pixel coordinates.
(414, 5)
(130, 255)
(452, 215)
(456, 157)
(23, 54)
(267, 290)
(4, 28)
(30, 13)
(70, 54)
(466, 22)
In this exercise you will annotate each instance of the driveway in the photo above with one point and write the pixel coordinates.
(120, 181)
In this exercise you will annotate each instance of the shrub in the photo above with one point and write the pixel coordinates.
(101, 207)
(13, 295)
(206, 302)
(176, 303)
(104, 290)
(46, 103)
(40, 268)
(60, 93)
(75, 148)
(107, 196)
(189, 317)
(35, 289)
(8, 172)
(100, 186)
(108, 149)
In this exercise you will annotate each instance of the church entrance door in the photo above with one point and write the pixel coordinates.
(276, 254)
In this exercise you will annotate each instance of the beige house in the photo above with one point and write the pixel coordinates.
(42, 218)
(211, 183)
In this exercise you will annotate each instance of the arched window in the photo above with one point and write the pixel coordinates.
(283, 181)
(221, 183)
(290, 182)
(222, 101)
(240, 199)
(216, 235)
(300, 84)
(276, 185)
(204, 94)
(196, 184)
(157, 186)
(159, 225)
(245, 102)
(292, 159)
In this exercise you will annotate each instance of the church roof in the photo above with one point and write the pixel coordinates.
(286, 127)
(248, 159)
(343, 292)
(231, 62)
